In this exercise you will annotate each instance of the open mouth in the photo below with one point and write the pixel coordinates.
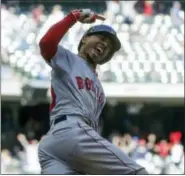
(99, 51)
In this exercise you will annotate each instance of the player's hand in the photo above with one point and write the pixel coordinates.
(87, 16)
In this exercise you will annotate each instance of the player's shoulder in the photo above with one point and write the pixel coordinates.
(68, 52)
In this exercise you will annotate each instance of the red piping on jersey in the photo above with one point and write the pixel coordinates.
(53, 96)
(48, 44)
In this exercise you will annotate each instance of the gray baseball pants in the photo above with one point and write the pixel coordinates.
(74, 147)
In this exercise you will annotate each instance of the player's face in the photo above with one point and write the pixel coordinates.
(97, 48)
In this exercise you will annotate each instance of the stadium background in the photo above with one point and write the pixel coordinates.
(144, 82)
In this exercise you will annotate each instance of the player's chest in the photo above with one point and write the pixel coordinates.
(84, 77)
(86, 81)
(90, 87)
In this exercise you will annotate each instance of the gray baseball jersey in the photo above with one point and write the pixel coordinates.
(75, 87)
(73, 146)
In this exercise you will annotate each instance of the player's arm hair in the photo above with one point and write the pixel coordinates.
(49, 42)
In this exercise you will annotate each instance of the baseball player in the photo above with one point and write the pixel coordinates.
(73, 145)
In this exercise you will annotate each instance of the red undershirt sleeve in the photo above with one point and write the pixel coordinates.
(49, 42)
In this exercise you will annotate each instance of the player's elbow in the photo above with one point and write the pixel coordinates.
(47, 49)
(43, 45)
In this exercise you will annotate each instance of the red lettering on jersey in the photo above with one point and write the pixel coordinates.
(88, 83)
(92, 86)
(100, 99)
(53, 99)
(80, 82)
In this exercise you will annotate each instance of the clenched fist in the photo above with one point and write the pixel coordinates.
(86, 16)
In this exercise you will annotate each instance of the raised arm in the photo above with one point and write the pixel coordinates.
(22, 139)
(48, 44)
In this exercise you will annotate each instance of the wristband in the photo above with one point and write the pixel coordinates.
(76, 14)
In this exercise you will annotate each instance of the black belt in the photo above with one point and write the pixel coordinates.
(60, 119)
(64, 117)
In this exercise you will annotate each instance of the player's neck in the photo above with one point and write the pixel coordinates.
(92, 65)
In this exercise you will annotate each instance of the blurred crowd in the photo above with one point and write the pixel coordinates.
(25, 161)
(130, 9)
(165, 156)
(149, 134)
(144, 56)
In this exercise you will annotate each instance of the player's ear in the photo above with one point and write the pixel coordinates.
(85, 39)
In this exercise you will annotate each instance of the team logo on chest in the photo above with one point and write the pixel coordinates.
(89, 85)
